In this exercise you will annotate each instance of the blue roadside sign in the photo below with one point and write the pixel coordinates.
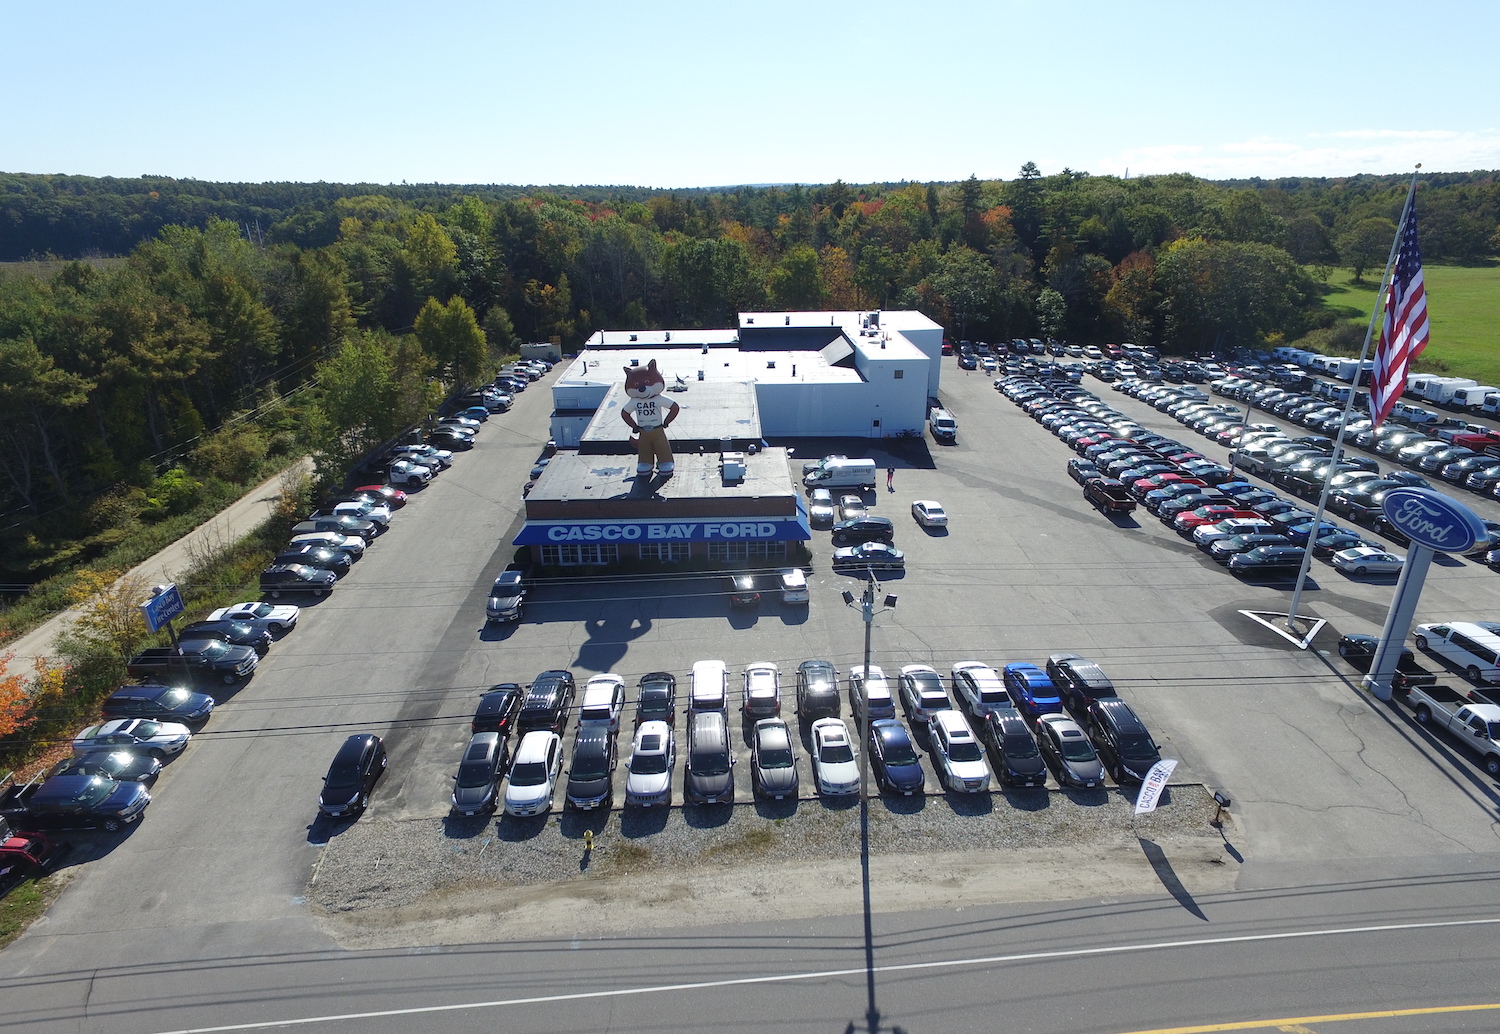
(162, 607)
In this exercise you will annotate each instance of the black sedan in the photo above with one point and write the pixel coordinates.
(1268, 560)
(864, 529)
(280, 578)
(1081, 470)
(320, 557)
(121, 765)
(237, 633)
(869, 556)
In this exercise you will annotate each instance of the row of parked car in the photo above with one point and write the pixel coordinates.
(1064, 717)
(1242, 525)
(1299, 464)
(1451, 449)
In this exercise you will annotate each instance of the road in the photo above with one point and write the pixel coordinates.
(1332, 942)
(1343, 807)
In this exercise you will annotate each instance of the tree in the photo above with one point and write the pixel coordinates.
(797, 280)
(1051, 311)
(500, 332)
(108, 610)
(15, 699)
(966, 285)
(451, 337)
(1219, 293)
(1367, 245)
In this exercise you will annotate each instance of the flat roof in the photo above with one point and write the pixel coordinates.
(578, 486)
(709, 411)
(606, 367)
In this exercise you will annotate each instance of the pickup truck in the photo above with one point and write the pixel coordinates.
(74, 802)
(1477, 726)
(23, 854)
(198, 657)
(1108, 495)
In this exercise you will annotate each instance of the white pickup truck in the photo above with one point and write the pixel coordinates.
(1477, 726)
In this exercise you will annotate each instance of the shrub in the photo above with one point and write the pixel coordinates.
(232, 454)
(174, 492)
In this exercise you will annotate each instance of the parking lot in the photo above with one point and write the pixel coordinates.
(1316, 769)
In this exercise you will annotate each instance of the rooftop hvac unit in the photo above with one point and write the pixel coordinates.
(732, 466)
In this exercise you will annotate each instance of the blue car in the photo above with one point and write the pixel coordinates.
(897, 764)
(1032, 690)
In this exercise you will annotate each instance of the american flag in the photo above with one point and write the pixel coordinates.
(1405, 332)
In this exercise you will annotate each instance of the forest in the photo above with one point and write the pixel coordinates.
(236, 323)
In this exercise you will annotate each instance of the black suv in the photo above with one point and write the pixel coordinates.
(818, 690)
(743, 592)
(1124, 745)
(498, 709)
(1013, 751)
(546, 703)
(897, 764)
(864, 529)
(656, 698)
(590, 777)
(335, 560)
(1078, 681)
(352, 776)
(161, 703)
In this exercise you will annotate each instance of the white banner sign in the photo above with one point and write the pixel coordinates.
(1152, 786)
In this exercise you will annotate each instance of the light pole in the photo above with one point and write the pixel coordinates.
(867, 609)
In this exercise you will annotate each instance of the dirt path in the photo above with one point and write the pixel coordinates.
(238, 519)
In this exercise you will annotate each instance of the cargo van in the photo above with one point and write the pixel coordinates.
(1471, 647)
(843, 474)
(1474, 397)
(944, 427)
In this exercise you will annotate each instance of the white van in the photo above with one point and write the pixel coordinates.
(1474, 397)
(710, 687)
(1472, 647)
(944, 427)
(843, 474)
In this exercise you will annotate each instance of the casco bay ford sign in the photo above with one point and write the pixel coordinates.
(1433, 520)
(541, 532)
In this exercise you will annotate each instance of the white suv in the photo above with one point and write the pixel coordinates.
(603, 701)
(652, 758)
(960, 758)
(533, 774)
(980, 688)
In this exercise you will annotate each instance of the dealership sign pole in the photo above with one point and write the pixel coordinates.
(1435, 524)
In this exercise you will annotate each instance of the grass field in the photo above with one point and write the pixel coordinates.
(1463, 305)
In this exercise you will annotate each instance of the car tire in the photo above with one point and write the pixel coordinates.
(157, 754)
(110, 825)
(1421, 642)
(228, 678)
(1423, 714)
(317, 593)
(1473, 673)
(1359, 570)
(1492, 765)
(275, 594)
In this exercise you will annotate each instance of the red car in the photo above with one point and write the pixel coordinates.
(1209, 515)
(1144, 485)
(393, 497)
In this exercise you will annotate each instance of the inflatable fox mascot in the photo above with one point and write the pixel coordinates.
(649, 417)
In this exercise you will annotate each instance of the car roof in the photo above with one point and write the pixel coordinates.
(953, 723)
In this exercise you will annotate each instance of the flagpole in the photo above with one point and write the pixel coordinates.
(1338, 438)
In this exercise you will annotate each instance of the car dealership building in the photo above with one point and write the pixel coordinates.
(732, 498)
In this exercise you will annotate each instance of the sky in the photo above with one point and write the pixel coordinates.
(675, 94)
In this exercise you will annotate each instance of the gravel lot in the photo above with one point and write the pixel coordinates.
(384, 873)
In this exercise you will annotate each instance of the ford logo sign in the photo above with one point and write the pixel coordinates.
(1433, 520)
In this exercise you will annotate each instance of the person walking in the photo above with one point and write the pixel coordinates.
(890, 479)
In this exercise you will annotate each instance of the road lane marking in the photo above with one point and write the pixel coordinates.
(826, 974)
(1293, 1023)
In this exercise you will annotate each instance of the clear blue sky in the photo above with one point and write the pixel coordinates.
(673, 94)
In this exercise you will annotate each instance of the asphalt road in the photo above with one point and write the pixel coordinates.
(196, 918)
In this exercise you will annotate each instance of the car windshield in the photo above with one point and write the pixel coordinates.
(146, 730)
(779, 757)
(210, 646)
(648, 764)
(710, 764)
(590, 766)
(900, 752)
(837, 753)
(532, 773)
(475, 773)
(1019, 745)
(1136, 746)
(260, 610)
(1076, 748)
(174, 696)
(964, 750)
(343, 775)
